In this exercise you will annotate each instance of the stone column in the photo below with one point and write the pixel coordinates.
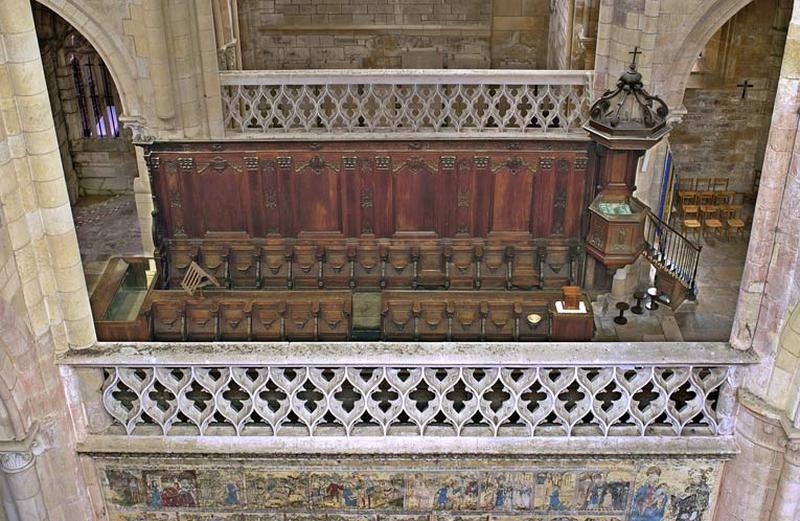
(769, 287)
(25, 499)
(749, 482)
(46, 218)
(787, 499)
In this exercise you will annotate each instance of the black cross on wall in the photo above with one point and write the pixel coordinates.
(635, 52)
(744, 86)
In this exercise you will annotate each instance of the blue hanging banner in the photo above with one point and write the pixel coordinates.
(669, 182)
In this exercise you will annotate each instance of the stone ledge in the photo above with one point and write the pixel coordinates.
(721, 447)
(370, 354)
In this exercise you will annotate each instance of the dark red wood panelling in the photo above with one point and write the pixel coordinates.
(386, 189)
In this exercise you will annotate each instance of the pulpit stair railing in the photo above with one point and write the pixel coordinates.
(671, 252)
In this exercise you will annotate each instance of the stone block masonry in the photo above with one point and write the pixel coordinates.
(724, 134)
(327, 34)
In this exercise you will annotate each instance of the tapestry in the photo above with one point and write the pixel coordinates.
(245, 490)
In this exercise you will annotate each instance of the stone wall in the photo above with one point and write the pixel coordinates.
(724, 134)
(519, 34)
(441, 489)
(331, 34)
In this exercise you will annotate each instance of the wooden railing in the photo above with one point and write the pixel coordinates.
(669, 251)
(379, 102)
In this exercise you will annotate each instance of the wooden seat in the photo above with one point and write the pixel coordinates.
(463, 268)
(687, 198)
(493, 267)
(397, 319)
(243, 266)
(710, 218)
(502, 320)
(433, 320)
(214, 260)
(276, 269)
(167, 321)
(301, 319)
(337, 268)
(307, 266)
(179, 257)
(734, 224)
(334, 319)
(267, 320)
(524, 267)
(467, 320)
(399, 267)
(690, 221)
(201, 321)
(686, 184)
(368, 271)
(432, 267)
(234, 320)
(719, 184)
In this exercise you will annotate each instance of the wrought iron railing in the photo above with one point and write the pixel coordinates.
(370, 102)
(383, 389)
(668, 250)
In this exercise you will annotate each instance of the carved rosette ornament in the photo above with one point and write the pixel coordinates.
(11, 462)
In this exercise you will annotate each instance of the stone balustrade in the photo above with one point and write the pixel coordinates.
(375, 104)
(467, 390)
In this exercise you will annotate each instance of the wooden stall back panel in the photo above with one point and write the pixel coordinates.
(512, 196)
(380, 189)
(316, 195)
(415, 194)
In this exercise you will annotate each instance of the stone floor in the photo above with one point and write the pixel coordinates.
(106, 226)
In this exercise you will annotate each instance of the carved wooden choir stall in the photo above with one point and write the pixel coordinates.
(437, 240)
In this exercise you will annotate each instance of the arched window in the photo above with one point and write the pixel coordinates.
(94, 91)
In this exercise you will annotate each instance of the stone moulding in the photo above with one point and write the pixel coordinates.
(371, 103)
(428, 390)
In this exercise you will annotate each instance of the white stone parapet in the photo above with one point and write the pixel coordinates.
(370, 104)
(418, 389)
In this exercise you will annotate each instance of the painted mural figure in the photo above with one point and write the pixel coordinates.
(650, 500)
(155, 495)
(177, 496)
(350, 498)
(691, 505)
(555, 499)
(232, 497)
(441, 496)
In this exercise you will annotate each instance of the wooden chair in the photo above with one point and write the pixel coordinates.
(687, 198)
(719, 184)
(733, 222)
(709, 215)
(703, 184)
(686, 184)
(687, 195)
(690, 221)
